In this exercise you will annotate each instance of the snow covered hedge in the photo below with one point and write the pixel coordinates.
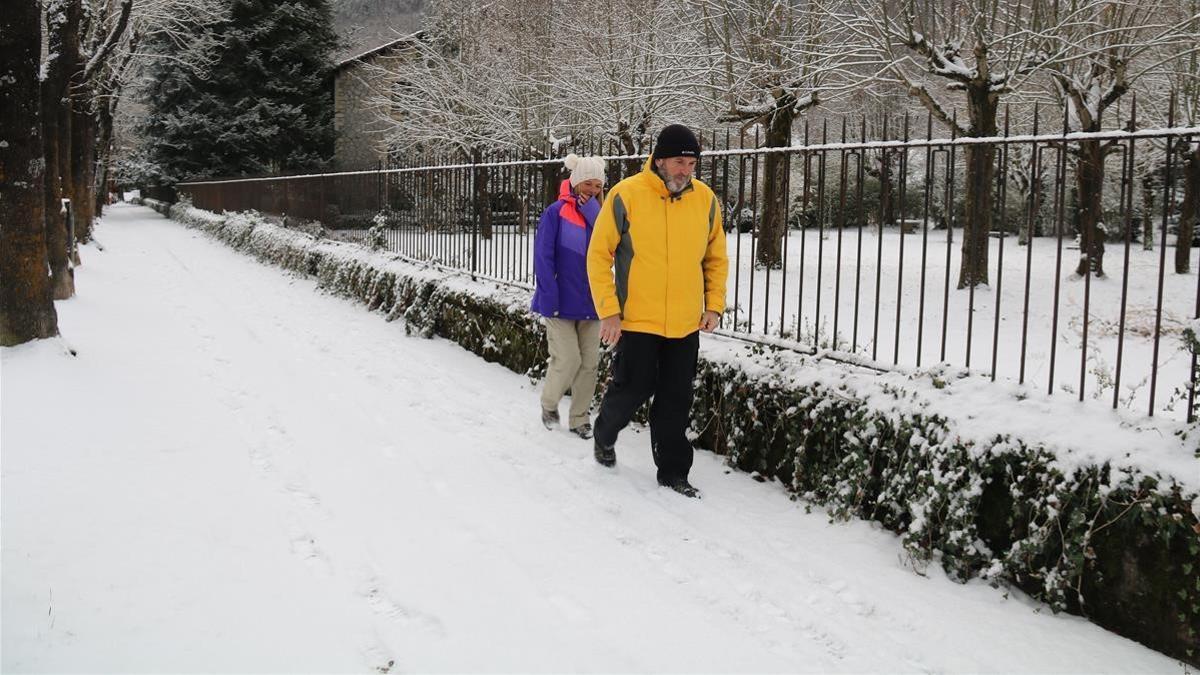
(156, 204)
(1083, 510)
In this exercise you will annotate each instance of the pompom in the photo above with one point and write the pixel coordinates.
(571, 161)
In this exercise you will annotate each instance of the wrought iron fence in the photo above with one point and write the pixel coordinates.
(852, 243)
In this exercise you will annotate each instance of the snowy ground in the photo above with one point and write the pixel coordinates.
(239, 473)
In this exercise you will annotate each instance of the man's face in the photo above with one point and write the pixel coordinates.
(676, 171)
(589, 188)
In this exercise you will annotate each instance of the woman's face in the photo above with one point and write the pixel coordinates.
(589, 188)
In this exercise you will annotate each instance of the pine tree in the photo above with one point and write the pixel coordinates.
(253, 96)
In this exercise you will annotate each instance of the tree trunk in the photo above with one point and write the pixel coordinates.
(1031, 226)
(550, 179)
(775, 186)
(1033, 198)
(887, 202)
(83, 146)
(26, 304)
(71, 63)
(58, 246)
(426, 205)
(980, 180)
(629, 145)
(483, 202)
(1189, 212)
(1089, 189)
(104, 141)
(1148, 192)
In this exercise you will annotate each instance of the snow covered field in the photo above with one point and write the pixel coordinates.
(829, 293)
(239, 473)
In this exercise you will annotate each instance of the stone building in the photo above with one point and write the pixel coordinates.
(360, 87)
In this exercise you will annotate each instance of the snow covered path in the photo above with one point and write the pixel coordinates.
(240, 473)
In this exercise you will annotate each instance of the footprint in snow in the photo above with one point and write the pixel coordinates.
(305, 548)
(384, 606)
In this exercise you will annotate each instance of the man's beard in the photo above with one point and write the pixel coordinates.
(675, 185)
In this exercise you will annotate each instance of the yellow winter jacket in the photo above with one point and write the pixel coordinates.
(668, 252)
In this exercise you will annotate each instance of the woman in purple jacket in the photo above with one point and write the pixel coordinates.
(563, 295)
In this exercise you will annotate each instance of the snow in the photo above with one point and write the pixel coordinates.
(240, 473)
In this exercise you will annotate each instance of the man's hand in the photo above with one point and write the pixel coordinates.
(708, 322)
(610, 329)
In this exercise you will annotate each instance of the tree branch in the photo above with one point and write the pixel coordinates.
(109, 43)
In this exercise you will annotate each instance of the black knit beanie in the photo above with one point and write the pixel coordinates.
(676, 140)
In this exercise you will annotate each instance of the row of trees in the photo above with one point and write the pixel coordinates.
(230, 86)
(56, 122)
(528, 74)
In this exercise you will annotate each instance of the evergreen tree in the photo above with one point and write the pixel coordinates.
(251, 95)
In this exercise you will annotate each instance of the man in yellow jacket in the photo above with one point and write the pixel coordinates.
(657, 267)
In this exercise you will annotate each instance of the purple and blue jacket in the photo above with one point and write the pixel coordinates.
(560, 258)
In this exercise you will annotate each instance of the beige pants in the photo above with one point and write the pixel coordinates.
(574, 356)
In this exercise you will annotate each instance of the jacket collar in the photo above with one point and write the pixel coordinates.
(570, 208)
(565, 193)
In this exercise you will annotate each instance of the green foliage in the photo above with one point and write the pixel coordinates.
(377, 235)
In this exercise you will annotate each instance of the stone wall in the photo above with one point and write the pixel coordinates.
(359, 144)
(360, 87)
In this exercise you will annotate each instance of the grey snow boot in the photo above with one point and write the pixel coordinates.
(550, 419)
(682, 486)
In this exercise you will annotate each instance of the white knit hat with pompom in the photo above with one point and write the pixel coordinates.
(584, 168)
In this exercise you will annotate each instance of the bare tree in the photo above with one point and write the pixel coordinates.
(637, 66)
(540, 78)
(1095, 53)
(771, 63)
(482, 80)
(1183, 76)
(26, 303)
(452, 92)
(979, 48)
(102, 30)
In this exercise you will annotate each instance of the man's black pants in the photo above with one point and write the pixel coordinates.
(643, 365)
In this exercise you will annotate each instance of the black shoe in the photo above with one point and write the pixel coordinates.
(605, 454)
(583, 431)
(681, 486)
(550, 419)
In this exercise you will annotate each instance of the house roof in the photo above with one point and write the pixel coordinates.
(387, 46)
